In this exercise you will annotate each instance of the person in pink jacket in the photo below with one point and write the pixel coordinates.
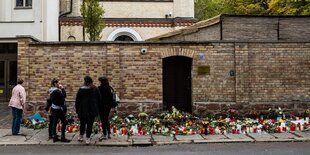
(17, 103)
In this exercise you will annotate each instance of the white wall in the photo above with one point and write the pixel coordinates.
(40, 24)
(5, 6)
(184, 8)
(50, 21)
(9, 30)
(125, 9)
(137, 9)
(129, 9)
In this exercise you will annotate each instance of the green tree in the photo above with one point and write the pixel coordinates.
(250, 7)
(289, 7)
(92, 13)
(205, 9)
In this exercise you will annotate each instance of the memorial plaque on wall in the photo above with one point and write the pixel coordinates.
(203, 70)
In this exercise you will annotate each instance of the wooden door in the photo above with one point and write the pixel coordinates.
(8, 69)
(177, 84)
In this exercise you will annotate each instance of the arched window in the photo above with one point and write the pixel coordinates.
(71, 38)
(124, 34)
(123, 38)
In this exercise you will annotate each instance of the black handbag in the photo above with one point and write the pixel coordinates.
(115, 98)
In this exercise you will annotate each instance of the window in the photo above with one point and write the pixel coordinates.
(8, 48)
(123, 38)
(71, 38)
(23, 3)
(124, 34)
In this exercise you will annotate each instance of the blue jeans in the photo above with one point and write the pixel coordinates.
(17, 119)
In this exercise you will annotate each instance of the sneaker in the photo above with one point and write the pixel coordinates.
(65, 140)
(80, 139)
(87, 141)
(109, 136)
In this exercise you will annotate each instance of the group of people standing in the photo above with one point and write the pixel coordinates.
(91, 101)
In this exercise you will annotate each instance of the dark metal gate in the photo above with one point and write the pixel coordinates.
(177, 83)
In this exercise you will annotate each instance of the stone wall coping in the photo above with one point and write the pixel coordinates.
(273, 16)
(215, 103)
(278, 102)
(28, 37)
(127, 101)
(252, 103)
(163, 42)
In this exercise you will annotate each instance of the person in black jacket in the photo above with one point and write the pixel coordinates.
(58, 109)
(105, 107)
(51, 117)
(86, 106)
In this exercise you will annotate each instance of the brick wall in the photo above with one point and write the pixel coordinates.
(246, 28)
(294, 28)
(211, 33)
(267, 74)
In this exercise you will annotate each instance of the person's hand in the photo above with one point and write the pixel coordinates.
(60, 86)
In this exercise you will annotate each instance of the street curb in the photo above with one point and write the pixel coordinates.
(95, 143)
(38, 138)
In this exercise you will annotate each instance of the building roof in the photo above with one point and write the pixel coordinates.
(209, 22)
(190, 29)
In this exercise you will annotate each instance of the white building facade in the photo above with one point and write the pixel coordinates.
(60, 20)
(37, 18)
(128, 20)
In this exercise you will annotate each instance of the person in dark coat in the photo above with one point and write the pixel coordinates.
(86, 106)
(58, 110)
(51, 117)
(105, 107)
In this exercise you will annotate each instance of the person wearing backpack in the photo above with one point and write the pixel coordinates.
(105, 107)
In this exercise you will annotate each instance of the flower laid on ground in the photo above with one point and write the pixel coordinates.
(36, 121)
(33, 124)
(175, 122)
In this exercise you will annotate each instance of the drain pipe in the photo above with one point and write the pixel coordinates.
(62, 15)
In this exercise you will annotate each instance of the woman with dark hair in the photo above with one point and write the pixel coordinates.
(17, 103)
(86, 106)
(105, 107)
(58, 110)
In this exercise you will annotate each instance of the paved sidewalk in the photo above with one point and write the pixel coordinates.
(40, 137)
(5, 116)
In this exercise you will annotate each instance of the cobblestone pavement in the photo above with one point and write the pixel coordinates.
(5, 116)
